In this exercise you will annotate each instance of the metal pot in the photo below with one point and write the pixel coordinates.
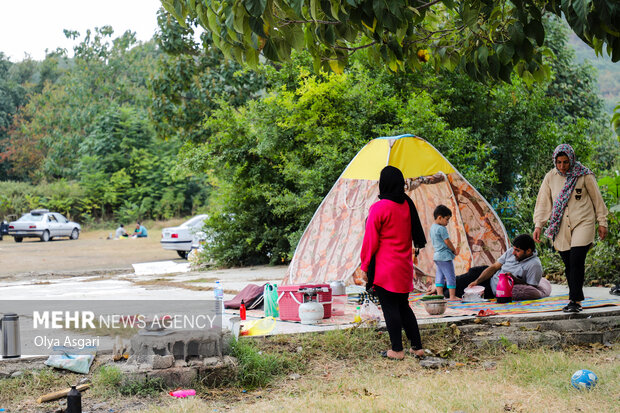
(338, 288)
(435, 307)
(9, 326)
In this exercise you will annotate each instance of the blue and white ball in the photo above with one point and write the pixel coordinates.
(584, 380)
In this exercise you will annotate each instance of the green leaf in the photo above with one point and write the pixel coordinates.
(255, 7)
(297, 37)
(256, 24)
(239, 16)
(581, 8)
(212, 17)
(314, 9)
(516, 33)
(296, 5)
(504, 73)
(525, 50)
(270, 51)
(251, 57)
(483, 54)
(535, 31)
(470, 16)
(335, 8)
(330, 35)
(505, 52)
(494, 66)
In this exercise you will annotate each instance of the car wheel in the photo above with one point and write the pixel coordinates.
(74, 234)
(18, 239)
(182, 254)
(45, 237)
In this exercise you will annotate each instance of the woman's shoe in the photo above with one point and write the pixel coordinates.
(572, 307)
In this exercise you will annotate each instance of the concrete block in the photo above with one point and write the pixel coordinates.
(162, 362)
(175, 376)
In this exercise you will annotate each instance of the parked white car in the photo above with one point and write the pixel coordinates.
(181, 238)
(43, 224)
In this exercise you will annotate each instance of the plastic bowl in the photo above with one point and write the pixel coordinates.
(473, 294)
(435, 307)
(476, 289)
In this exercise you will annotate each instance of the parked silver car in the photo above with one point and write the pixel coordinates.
(43, 224)
(181, 238)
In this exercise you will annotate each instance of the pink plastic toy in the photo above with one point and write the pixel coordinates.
(183, 393)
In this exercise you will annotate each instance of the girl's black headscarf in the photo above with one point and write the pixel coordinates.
(392, 187)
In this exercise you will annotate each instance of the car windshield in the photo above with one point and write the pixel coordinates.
(30, 218)
(194, 221)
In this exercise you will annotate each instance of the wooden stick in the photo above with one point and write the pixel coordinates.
(61, 393)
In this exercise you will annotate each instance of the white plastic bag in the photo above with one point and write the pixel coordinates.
(370, 312)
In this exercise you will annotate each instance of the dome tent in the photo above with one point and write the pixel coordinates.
(329, 248)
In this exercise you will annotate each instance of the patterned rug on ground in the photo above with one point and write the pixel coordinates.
(459, 309)
(552, 303)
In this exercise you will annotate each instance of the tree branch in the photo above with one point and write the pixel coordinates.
(427, 5)
(355, 49)
(286, 22)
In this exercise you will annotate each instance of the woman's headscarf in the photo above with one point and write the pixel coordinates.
(575, 170)
(392, 187)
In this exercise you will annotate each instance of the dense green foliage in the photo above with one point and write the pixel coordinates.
(126, 130)
(487, 39)
(87, 131)
(274, 159)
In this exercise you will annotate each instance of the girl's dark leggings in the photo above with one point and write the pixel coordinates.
(575, 264)
(398, 315)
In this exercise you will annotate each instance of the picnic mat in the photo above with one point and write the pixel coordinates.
(552, 303)
(351, 309)
(459, 309)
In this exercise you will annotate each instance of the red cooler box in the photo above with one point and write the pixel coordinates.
(290, 298)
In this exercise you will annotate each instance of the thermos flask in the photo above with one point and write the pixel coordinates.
(9, 327)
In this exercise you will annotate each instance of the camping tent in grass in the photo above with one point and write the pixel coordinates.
(329, 249)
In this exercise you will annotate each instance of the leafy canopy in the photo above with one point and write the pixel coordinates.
(487, 39)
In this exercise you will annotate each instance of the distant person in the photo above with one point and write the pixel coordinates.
(120, 232)
(570, 203)
(444, 252)
(140, 231)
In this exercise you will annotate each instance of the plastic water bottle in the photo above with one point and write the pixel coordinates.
(358, 315)
(242, 310)
(219, 298)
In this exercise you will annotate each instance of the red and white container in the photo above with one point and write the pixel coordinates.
(290, 297)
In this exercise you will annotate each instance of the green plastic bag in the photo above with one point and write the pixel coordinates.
(270, 300)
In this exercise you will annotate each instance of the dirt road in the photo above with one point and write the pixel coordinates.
(91, 252)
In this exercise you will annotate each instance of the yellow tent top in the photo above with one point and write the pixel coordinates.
(412, 155)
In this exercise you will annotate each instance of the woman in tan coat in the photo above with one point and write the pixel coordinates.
(570, 202)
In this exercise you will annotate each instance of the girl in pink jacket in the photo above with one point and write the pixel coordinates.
(391, 228)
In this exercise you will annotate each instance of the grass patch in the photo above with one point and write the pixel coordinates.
(258, 368)
(33, 384)
(109, 381)
(106, 380)
(203, 280)
(162, 282)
